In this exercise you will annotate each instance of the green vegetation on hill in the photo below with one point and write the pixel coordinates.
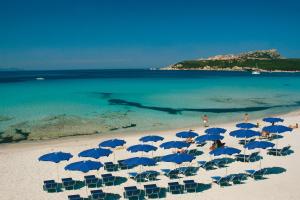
(267, 60)
(270, 65)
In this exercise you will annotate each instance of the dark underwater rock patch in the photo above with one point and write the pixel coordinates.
(175, 111)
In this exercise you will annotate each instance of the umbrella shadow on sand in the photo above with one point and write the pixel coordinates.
(274, 170)
(202, 187)
(120, 180)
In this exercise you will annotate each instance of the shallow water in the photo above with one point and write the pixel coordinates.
(152, 100)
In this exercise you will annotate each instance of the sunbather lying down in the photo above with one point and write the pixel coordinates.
(216, 145)
(294, 126)
(180, 151)
(190, 140)
(265, 134)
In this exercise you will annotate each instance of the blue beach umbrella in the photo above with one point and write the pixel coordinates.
(186, 134)
(208, 137)
(215, 131)
(135, 161)
(245, 125)
(56, 157)
(151, 138)
(277, 129)
(178, 158)
(113, 143)
(141, 147)
(224, 151)
(174, 144)
(95, 153)
(84, 166)
(272, 119)
(244, 133)
(259, 145)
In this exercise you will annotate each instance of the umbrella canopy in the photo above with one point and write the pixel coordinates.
(215, 131)
(141, 147)
(272, 119)
(178, 158)
(112, 143)
(151, 138)
(208, 137)
(259, 145)
(224, 151)
(135, 161)
(174, 144)
(84, 166)
(246, 125)
(95, 153)
(56, 157)
(277, 129)
(186, 134)
(244, 133)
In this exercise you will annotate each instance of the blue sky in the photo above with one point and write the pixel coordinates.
(57, 34)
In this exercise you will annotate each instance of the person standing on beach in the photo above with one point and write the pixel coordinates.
(246, 117)
(205, 120)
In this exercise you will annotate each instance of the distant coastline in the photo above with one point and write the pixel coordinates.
(261, 61)
(235, 69)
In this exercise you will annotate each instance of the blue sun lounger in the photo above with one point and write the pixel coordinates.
(192, 152)
(138, 177)
(188, 171)
(91, 181)
(97, 195)
(172, 174)
(256, 174)
(190, 185)
(74, 197)
(207, 165)
(247, 158)
(151, 175)
(152, 191)
(131, 192)
(175, 188)
(108, 179)
(111, 167)
(243, 141)
(50, 186)
(68, 183)
(280, 152)
(219, 162)
(237, 178)
(221, 180)
(122, 166)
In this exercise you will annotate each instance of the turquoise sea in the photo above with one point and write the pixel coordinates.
(143, 99)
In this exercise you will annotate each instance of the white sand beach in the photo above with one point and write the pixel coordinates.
(22, 175)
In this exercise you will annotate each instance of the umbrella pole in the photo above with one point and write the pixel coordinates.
(57, 171)
(276, 146)
(245, 150)
(225, 166)
(259, 162)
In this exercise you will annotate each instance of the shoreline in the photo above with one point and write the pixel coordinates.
(117, 134)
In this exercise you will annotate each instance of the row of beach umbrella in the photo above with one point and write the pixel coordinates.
(212, 134)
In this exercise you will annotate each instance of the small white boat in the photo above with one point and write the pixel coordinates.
(39, 78)
(255, 72)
